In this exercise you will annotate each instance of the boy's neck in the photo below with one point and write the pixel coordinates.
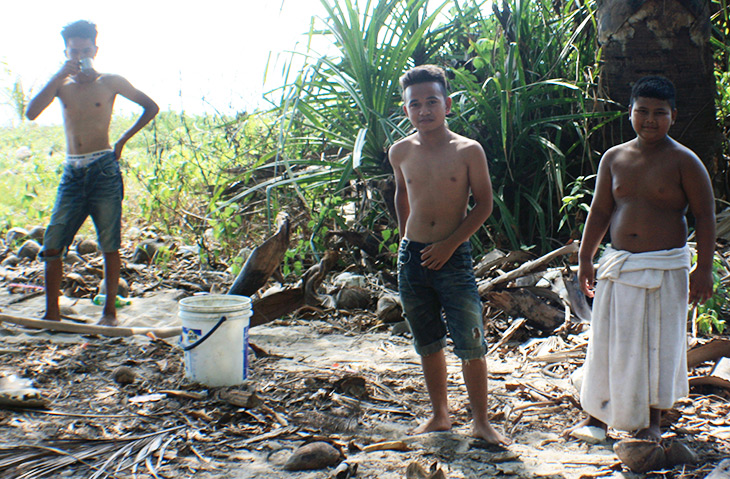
(434, 137)
(652, 145)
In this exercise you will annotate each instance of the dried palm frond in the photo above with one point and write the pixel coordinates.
(25, 461)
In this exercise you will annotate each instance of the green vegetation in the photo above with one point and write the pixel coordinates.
(523, 81)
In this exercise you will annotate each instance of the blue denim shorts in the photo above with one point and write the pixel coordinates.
(94, 190)
(437, 301)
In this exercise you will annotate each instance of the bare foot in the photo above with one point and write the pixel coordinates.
(589, 421)
(490, 435)
(433, 425)
(108, 320)
(651, 433)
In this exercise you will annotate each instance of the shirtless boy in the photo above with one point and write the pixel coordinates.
(92, 182)
(636, 363)
(435, 169)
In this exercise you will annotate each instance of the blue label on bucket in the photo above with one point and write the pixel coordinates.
(189, 336)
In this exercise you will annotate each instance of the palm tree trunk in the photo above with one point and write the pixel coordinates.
(663, 37)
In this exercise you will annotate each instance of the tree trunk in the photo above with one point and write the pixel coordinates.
(669, 38)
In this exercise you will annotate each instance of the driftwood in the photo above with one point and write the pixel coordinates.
(523, 303)
(717, 348)
(111, 331)
(487, 285)
(276, 305)
(263, 261)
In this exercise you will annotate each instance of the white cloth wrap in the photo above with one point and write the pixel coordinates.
(637, 354)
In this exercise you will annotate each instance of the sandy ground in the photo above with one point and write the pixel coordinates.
(297, 381)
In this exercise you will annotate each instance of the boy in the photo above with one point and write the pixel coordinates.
(636, 363)
(92, 182)
(435, 169)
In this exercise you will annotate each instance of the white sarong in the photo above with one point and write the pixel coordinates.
(637, 354)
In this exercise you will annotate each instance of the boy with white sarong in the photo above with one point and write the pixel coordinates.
(636, 363)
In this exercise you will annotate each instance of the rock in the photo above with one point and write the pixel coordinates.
(123, 290)
(350, 298)
(146, 250)
(11, 260)
(722, 471)
(124, 375)
(640, 455)
(401, 328)
(72, 258)
(678, 453)
(37, 233)
(389, 309)
(350, 280)
(29, 249)
(315, 455)
(15, 234)
(86, 246)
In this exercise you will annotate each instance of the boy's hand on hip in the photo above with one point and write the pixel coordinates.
(118, 146)
(701, 287)
(435, 255)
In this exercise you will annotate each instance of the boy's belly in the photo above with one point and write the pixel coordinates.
(639, 229)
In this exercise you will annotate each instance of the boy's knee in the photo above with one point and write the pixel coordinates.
(50, 255)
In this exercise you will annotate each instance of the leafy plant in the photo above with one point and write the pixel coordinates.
(708, 318)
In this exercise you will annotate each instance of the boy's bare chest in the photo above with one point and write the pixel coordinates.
(88, 98)
(433, 172)
(658, 182)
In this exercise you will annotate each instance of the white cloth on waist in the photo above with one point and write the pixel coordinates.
(84, 160)
(637, 354)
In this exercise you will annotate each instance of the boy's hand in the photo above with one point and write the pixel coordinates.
(69, 68)
(435, 256)
(586, 277)
(701, 286)
(118, 146)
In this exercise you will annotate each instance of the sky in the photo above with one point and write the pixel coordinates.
(202, 56)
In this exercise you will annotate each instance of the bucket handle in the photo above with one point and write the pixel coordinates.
(206, 336)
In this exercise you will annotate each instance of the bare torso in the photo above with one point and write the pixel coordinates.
(650, 202)
(87, 111)
(437, 184)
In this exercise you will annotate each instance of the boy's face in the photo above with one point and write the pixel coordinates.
(651, 118)
(78, 48)
(426, 106)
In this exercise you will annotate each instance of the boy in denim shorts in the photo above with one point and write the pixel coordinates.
(435, 172)
(91, 184)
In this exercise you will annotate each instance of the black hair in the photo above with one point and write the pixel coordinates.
(654, 86)
(425, 74)
(79, 29)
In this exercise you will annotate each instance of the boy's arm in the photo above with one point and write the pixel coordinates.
(45, 97)
(700, 196)
(402, 207)
(437, 254)
(597, 223)
(125, 89)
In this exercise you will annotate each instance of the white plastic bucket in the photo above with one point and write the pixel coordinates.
(221, 358)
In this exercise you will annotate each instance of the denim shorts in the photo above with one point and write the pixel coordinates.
(94, 190)
(437, 301)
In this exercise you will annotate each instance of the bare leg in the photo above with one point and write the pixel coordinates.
(434, 372)
(53, 276)
(112, 265)
(589, 421)
(654, 431)
(475, 378)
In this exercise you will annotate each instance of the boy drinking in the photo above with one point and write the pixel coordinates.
(636, 363)
(91, 184)
(435, 170)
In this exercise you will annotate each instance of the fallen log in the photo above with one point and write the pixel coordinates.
(487, 285)
(525, 304)
(717, 348)
(111, 331)
(276, 305)
(263, 261)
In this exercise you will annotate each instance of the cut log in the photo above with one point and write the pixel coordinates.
(523, 303)
(111, 331)
(263, 261)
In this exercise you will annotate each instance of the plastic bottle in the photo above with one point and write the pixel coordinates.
(100, 299)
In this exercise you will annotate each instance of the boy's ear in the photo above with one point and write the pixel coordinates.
(448, 105)
(674, 115)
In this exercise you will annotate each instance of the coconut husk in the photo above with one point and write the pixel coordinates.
(315, 455)
(640, 455)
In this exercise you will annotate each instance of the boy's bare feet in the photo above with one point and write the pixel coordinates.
(589, 421)
(108, 320)
(434, 424)
(490, 435)
(50, 317)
